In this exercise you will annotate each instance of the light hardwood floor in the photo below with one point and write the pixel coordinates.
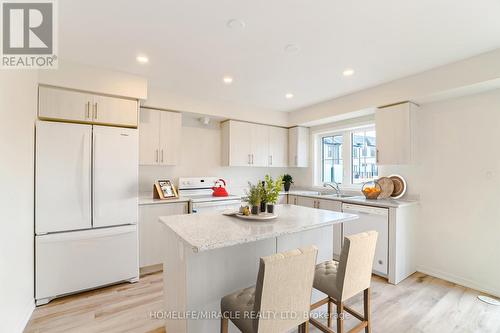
(419, 304)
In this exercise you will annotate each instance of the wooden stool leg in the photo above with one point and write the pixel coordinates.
(340, 317)
(224, 325)
(330, 310)
(367, 309)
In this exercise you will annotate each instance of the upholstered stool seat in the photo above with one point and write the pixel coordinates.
(325, 278)
(236, 305)
(346, 278)
(284, 286)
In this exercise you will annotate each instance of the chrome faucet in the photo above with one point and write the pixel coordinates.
(333, 185)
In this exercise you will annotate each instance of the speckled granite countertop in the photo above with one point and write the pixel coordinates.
(213, 230)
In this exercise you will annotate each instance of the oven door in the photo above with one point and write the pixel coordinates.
(215, 206)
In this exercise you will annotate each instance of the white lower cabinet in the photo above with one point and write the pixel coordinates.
(335, 206)
(151, 237)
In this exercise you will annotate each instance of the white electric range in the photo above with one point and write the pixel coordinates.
(199, 190)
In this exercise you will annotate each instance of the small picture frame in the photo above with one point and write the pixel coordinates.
(165, 189)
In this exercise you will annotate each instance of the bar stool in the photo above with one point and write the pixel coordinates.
(281, 298)
(346, 278)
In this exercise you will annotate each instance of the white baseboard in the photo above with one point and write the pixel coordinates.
(24, 318)
(458, 280)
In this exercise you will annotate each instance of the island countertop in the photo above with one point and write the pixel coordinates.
(213, 230)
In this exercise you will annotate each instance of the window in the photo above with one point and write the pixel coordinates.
(332, 165)
(364, 156)
(347, 157)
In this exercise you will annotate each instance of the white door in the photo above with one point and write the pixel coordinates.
(114, 111)
(306, 202)
(371, 218)
(278, 146)
(259, 145)
(240, 150)
(115, 176)
(73, 261)
(64, 104)
(152, 247)
(63, 177)
(149, 137)
(335, 206)
(170, 137)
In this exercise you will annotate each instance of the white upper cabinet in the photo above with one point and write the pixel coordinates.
(115, 111)
(248, 144)
(64, 105)
(278, 146)
(159, 137)
(69, 105)
(394, 126)
(298, 147)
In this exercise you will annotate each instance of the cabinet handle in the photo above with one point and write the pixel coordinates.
(94, 111)
(87, 109)
(296, 160)
(317, 204)
(249, 159)
(156, 154)
(270, 159)
(162, 156)
(377, 156)
(252, 159)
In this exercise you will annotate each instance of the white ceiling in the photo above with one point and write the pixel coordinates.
(190, 48)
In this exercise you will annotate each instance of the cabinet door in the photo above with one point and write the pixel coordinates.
(278, 146)
(335, 206)
(114, 111)
(240, 147)
(292, 199)
(306, 202)
(149, 137)
(298, 153)
(170, 137)
(64, 104)
(260, 145)
(394, 134)
(151, 241)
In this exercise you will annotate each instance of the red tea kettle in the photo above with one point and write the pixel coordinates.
(220, 188)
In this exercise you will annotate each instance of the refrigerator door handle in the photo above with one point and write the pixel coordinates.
(92, 178)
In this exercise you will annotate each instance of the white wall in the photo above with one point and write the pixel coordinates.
(201, 156)
(458, 180)
(18, 109)
(162, 98)
(483, 70)
(93, 79)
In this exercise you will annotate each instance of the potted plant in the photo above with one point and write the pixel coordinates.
(272, 189)
(287, 181)
(254, 193)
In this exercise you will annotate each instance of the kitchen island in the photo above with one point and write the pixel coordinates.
(210, 255)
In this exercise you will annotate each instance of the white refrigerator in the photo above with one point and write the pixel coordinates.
(86, 207)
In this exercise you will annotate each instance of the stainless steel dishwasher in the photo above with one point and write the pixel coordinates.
(371, 218)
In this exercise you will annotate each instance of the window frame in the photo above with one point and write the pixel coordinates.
(347, 151)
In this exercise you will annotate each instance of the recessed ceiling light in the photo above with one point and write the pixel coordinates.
(289, 96)
(142, 59)
(235, 24)
(227, 80)
(292, 48)
(348, 72)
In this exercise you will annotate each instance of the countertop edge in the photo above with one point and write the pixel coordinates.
(215, 246)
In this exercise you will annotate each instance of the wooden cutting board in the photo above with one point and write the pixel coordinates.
(387, 187)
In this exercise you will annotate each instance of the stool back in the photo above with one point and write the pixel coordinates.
(356, 264)
(283, 290)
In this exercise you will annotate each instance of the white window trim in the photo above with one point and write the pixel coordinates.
(346, 155)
